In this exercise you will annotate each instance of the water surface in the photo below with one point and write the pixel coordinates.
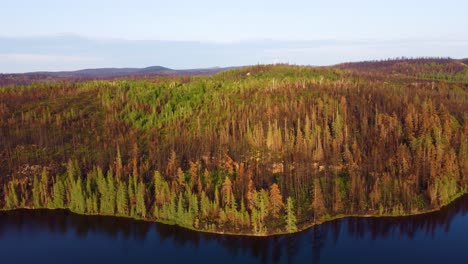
(44, 236)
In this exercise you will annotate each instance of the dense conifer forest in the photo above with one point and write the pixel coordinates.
(259, 150)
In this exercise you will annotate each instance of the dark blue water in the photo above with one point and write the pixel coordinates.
(62, 237)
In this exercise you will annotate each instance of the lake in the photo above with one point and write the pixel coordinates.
(44, 236)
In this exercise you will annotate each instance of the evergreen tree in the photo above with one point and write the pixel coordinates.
(89, 196)
(105, 201)
(161, 189)
(11, 196)
(172, 209)
(194, 204)
(77, 202)
(290, 216)
(140, 200)
(204, 204)
(259, 212)
(180, 209)
(59, 194)
(36, 193)
(263, 203)
(44, 188)
(131, 197)
(122, 199)
(72, 171)
(110, 193)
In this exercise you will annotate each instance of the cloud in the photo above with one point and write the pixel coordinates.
(343, 51)
(12, 62)
(70, 52)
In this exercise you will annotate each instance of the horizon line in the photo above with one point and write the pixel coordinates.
(235, 66)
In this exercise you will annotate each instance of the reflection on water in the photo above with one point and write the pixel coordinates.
(321, 243)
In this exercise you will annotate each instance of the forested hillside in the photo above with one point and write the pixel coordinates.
(259, 150)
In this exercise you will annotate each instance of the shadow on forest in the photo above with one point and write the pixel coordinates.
(266, 249)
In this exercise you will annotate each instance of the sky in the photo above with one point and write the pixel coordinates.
(68, 35)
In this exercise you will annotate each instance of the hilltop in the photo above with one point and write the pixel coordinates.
(428, 68)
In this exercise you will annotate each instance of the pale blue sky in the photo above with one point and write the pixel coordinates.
(65, 35)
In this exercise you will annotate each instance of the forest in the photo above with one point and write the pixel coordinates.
(258, 150)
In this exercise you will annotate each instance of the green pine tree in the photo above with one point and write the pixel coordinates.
(180, 209)
(131, 197)
(36, 190)
(11, 196)
(204, 204)
(110, 194)
(122, 199)
(172, 210)
(44, 188)
(77, 202)
(290, 216)
(59, 194)
(103, 193)
(140, 200)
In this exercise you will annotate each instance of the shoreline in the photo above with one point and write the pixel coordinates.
(301, 228)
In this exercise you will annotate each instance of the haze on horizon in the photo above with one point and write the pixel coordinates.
(64, 35)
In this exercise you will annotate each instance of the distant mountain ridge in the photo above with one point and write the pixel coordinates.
(101, 73)
(108, 72)
(437, 68)
(119, 72)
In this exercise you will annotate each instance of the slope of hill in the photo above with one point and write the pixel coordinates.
(428, 68)
(258, 150)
